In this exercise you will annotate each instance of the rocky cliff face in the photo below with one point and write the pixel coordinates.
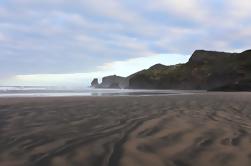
(208, 70)
(94, 83)
(113, 81)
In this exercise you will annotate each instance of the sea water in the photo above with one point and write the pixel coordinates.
(48, 91)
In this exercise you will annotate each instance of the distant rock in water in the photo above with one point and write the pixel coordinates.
(207, 70)
(113, 81)
(94, 83)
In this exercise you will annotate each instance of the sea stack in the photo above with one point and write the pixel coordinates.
(94, 83)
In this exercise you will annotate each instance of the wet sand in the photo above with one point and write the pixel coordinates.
(177, 130)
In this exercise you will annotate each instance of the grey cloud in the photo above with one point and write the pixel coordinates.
(77, 36)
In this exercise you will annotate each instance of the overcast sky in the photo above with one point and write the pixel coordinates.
(47, 42)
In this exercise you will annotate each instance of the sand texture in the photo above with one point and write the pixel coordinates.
(209, 129)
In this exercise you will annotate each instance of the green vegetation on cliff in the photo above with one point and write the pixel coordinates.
(208, 70)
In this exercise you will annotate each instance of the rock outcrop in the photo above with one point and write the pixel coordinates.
(95, 83)
(113, 81)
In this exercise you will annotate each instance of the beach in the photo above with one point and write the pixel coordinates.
(202, 129)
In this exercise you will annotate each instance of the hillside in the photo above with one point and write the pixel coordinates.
(208, 70)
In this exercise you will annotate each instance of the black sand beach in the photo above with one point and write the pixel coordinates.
(177, 130)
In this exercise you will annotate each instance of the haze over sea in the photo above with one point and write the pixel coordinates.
(50, 91)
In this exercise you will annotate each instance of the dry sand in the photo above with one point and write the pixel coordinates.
(210, 129)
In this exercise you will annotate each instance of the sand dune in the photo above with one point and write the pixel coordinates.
(178, 130)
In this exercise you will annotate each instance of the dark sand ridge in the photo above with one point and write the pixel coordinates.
(177, 130)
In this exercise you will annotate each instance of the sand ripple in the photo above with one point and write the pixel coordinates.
(180, 130)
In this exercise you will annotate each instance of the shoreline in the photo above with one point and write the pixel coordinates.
(101, 92)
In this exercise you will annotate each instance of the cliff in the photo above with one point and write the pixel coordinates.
(95, 83)
(113, 81)
(207, 70)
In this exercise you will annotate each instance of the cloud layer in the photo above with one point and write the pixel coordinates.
(123, 68)
(63, 36)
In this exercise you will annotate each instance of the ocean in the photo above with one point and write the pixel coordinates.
(49, 91)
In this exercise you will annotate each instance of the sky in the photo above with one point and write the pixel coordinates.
(69, 42)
